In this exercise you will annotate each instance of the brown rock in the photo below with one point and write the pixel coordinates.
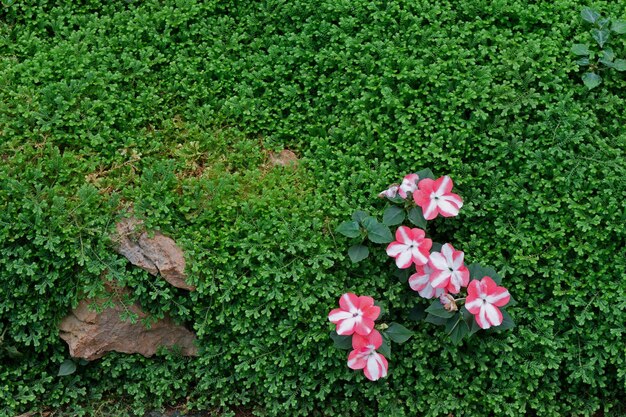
(157, 255)
(90, 334)
(284, 158)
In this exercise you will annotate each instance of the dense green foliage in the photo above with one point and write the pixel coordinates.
(172, 107)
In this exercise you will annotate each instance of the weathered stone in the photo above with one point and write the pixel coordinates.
(157, 255)
(90, 334)
(285, 158)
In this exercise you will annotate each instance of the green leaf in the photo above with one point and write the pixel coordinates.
(68, 367)
(478, 272)
(457, 328)
(507, 322)
(418, 312)
(378, 232)
(403, 275)
(398, 333)
(619, 26)
(349, 229)
(385, 348)
(591, 80)
(600, 35)
(436, 247)
(341, 342)
(417, 217)
(439, 321)
(437, 309)
(583, 62)
(393, 215)
(580, 49)
(589, 15)
(471, 322)
(13, 352)
(425, 173)
(83, 362)
(359, 215)
(620, 64)
(358, 252)
(512, 302)
(607, 54)
(602, 23)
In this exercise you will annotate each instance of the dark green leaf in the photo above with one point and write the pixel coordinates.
(437, 309)
(470, 321)
(403, 275)
(607, 54)
(379, 233)
(583, 62)
(418, 312)
(580, 49)
(589, 15)
(600, 35)
(425, 173)
(602, 23)
(341, 342)
(439, 321)
(417, 217)
(457, 328)
(13, 352)
(358, 252)
(619, 26)
(398, 333)
(591, 80)
(620, 64)
(393, 215)
(436, 247)
(385, 348)
(68, 367)
(83, 362)
(359, 215)
(512, 302)
(349, 229)
(478, 272)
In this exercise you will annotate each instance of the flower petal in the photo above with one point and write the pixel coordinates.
(440, 279)
(395, 248)
(346, 327)
(336, 315)
(500, 297)
(376, 367)
(493, 314)
(364, 326)
(447, 208)
(438, 262)
(443, 185)
(356, 360)
(403, 235)
(349, 302)
(404, 260)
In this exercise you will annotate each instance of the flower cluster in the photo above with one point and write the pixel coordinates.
(435, 197)
(355, 317)
(441, 273)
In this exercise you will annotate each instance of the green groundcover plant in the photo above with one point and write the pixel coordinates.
(173, 109)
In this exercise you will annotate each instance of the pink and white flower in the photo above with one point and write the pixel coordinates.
(355, 315)
(420, 282)
(410, 247)
(435, 197)
(408, 185)
(448, 269)
(390, 192)
(364, 356)
(483, 299)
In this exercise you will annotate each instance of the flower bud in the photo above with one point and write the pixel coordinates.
(448, 302)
